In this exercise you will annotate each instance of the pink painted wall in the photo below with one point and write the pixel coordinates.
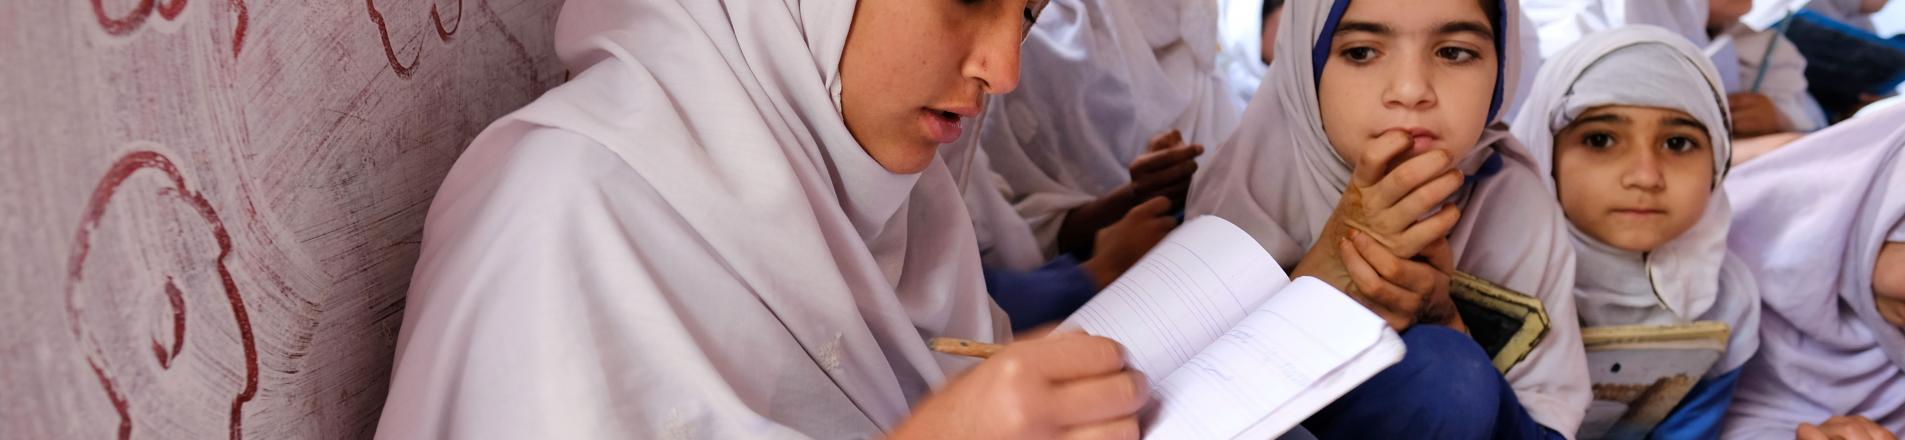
(212, 207)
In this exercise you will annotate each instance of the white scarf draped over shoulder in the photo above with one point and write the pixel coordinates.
(1810, 218)
(1098, 79)
(684, 241)
(1279, 179)
(1692, 277)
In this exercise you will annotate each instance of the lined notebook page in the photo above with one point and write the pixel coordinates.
(1194, 286)
(1300, 350)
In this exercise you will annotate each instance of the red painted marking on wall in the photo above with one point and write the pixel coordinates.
(390, 52)
(122, 25)
(442, 33)
(118, 401)
(177, 300)
(102, 195)
(171, 10)
(238, 32)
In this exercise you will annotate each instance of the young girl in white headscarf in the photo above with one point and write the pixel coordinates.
(732, 223)
(1823, 223)
(1119, 96)
(1630, 125)
(1779, 104)
(1379, 117)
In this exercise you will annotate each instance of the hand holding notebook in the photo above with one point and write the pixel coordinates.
(1234, 348)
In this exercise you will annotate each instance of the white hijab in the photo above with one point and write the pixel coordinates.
(1810, 217)
(1563, 22)
(1691, 277)
(684, 241)
(1279, 179)
(1005, 240)
(1098, 79)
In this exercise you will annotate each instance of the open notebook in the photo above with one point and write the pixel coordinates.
(1233, 347)
(1641, 373)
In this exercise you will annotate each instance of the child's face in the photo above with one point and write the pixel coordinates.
(1888, 283)
(1634, 177)
(912, 69)
(1424, 67)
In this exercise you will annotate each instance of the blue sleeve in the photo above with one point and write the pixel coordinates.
(1047, 294)
(1699, 414)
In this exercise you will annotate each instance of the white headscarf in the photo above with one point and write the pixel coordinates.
(1563, 22)
(1810, 218)
(1098, 79)
(1691, 277)
(685, 241)
(1005, 240)
(1279, 179)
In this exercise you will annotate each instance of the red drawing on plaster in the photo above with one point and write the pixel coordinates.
(129, 22)
(102, 196)
(176, 299)
(238, 31)
(390, 52)
(124, 25)
(443, 33)
(169, 11)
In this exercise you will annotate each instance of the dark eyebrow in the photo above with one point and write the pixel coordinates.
(1466, 26)
(1611, 118)
(1363, 26)
(1685, 122)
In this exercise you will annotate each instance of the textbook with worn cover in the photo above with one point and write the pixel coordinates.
(1506, 323)
(1640, 373)
(1234, 347)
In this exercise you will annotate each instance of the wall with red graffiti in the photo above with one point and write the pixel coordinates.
(212, 207)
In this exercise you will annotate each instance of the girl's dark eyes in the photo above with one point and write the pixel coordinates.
(1359, 54)
(1457, 55)
(1598, 141)
(1453, 55)
(1681, 144)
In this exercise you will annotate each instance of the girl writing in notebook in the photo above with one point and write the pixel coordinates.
(1630, 126)
(1371, 158)
(1822, 221)
(732, 224)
